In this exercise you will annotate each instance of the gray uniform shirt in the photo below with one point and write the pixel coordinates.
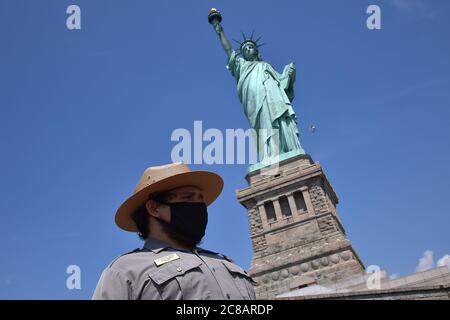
(161, 272)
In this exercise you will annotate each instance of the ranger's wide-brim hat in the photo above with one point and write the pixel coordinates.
(164, 178)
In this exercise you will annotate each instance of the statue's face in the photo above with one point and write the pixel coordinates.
(250, 52)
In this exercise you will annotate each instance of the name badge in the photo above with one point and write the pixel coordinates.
(165, 259)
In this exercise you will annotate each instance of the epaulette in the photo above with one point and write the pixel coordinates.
(227, 258)
(218, 254)
(130, 252)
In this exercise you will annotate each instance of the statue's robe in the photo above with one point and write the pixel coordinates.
(266, 97)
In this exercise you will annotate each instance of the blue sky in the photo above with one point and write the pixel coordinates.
(84, 112)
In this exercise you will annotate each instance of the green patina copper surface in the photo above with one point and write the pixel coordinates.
(266, 97)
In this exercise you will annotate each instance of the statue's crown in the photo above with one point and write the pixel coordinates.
(248, 40)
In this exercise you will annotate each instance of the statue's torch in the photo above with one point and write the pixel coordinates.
(214, 18)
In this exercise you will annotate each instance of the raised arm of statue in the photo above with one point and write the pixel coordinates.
(214, 19)
(223, 39)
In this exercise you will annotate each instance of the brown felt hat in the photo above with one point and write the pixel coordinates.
(165, 178)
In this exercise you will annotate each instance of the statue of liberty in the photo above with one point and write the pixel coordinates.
(265, 95)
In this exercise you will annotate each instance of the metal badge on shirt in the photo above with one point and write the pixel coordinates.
(165, 259)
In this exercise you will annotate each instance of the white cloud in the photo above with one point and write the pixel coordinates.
(444, 261)
(426, 262)
(394, 276)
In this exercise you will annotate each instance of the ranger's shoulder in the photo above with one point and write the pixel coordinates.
(127, 257)
(217, 254)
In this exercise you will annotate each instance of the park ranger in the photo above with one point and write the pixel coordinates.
(168, 209)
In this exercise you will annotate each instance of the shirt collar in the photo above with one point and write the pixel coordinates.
(156, 246)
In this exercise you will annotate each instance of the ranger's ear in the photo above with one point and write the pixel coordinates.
(152, 207)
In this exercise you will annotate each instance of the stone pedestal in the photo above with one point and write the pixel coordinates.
(297, 236)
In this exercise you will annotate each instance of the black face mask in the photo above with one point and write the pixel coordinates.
(187, 219)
